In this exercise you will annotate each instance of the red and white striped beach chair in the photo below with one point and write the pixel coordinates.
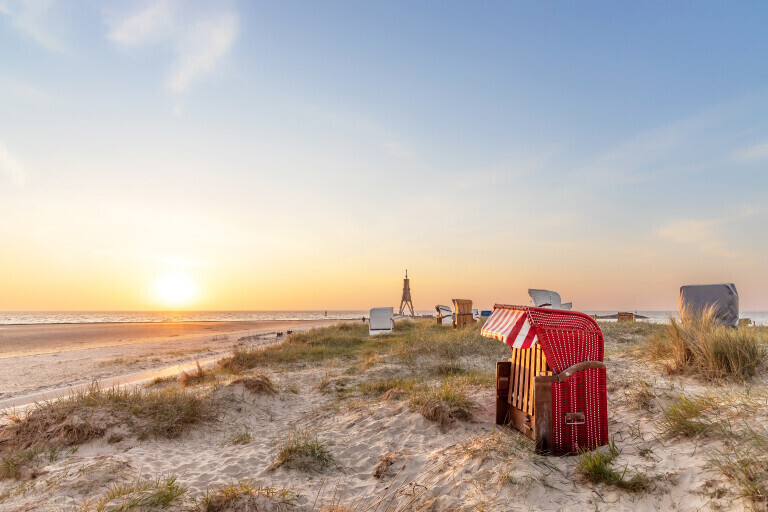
(553, 388)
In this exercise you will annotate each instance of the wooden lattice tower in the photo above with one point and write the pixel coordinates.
(406, 301)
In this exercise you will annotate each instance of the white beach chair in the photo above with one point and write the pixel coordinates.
(548, 299)
(444, 315)
(381, 321)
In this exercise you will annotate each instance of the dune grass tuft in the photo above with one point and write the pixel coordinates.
(443, 403)
(685, 416)
(597, 467)
(245, 495)
(242, 437)
(257, 383)
(13, 464)
(302, 450)
(699, 346)
(195, 377)
(90, 413)
(141, 494)
(640, 395)
(379, 387)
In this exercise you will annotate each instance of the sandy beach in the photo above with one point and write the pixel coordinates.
(36, 358)
(335, 420)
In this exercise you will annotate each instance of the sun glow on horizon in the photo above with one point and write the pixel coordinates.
(176, 288)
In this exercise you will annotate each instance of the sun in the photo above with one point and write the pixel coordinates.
(176, 288)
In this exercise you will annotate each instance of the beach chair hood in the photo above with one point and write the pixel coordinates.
(722, 298)
(566, 337)
(381, 321)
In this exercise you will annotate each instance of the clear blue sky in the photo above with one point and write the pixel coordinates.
(610, 150)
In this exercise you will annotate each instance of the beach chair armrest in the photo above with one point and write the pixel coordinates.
(584, 365)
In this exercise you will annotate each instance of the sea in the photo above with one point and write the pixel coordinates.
(88, 317)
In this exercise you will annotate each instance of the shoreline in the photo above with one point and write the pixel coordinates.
(38, 358)
(179, 322)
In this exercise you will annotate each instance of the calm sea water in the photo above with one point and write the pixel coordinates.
(86, 317)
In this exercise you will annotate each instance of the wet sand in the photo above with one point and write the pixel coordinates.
(35, 359)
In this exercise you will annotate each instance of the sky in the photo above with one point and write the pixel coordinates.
(301, 155)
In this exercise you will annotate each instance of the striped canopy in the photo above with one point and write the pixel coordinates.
(511, 325)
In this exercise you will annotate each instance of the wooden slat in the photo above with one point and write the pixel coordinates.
(534, 371)
(519, 378)
(513, 379)
(543, 433)
(537, 364)
(526, 383)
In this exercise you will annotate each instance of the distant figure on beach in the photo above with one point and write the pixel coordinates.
(326, 313)
(363, 319)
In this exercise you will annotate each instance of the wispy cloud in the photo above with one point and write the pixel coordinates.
(755, 153)
(11, 167)
(704, 233)
(198, 37)
(36, 19)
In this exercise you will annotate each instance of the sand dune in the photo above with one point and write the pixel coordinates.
(382, 451)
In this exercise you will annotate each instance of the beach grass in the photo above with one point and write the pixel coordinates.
(686, 416)
(91, 413)
(429, 365)
(257, 383)
(443, 403)
(745, 463)
(302, 450)
(597, 467)
(628, 332)
(142, 494)
(412, 341)
(195, 377)
(246, 495)
(700, 346)
(640, 395)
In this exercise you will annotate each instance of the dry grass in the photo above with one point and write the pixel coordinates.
(242, 437)
(504, 443)
(302, 450)
(314, 346)
(89, 414)
(745, 463)
(162, 381)
(258, 383)
(196, 377)
(139, 495)
(443, 403)
(640, 395)
(379, 387)
(699, 346)
(244, 495)
(412, 342)
(15, 464)
(687, 416)
(628, 332)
